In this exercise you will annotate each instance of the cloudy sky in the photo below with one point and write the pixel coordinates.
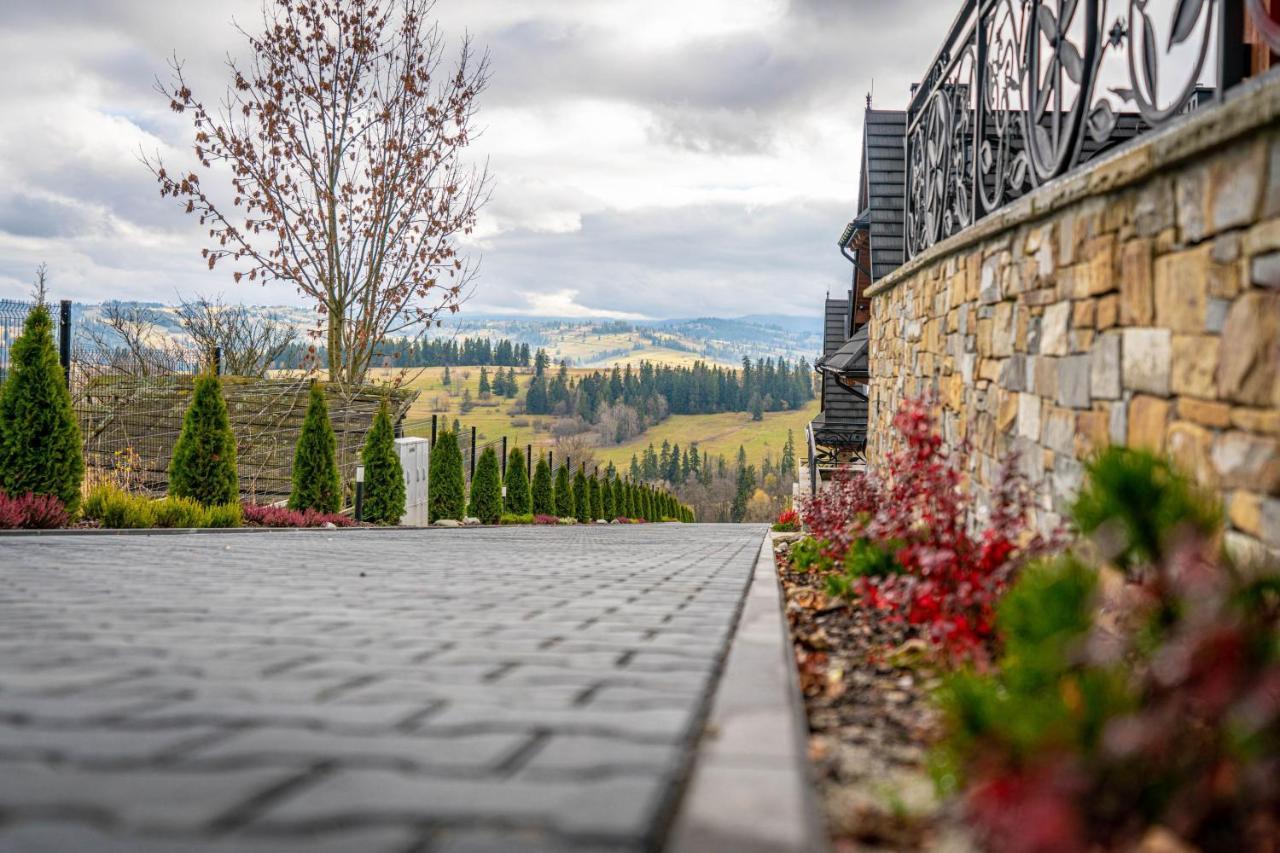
(651, 157)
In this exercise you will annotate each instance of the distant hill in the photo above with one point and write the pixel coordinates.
(589, 342)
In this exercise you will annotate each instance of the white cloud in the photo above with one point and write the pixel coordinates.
(651, 157)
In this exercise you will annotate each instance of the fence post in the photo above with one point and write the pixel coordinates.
(473, 454)
(504, 458)
(1233, 62)
(551, 460)
(434, 418)
(217, 361)
(528, 462)
(64, 339)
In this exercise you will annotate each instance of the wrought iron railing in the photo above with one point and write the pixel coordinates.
(1024, 91)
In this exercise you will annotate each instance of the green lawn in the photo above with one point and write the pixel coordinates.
(720, 434)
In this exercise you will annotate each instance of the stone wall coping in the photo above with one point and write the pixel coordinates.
(1248, 107)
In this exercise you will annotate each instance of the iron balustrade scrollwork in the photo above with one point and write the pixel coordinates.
(1024, 91)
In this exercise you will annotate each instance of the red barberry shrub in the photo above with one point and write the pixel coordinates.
(274, 516)
(1140, 694)
(546, 519)
(788, 520)
(32, 512)
(954, 567)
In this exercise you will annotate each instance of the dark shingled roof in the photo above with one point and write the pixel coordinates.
(884, 187)
(843, 411)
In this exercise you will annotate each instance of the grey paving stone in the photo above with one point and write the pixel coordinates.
(51, 837)
(475, 753)
(99, 744)
(620, 807)
(486, 841)
(155, 799)
(564, 754)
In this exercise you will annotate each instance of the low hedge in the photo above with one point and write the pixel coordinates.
(114, 508)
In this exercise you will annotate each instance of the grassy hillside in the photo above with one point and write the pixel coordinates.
(720, 434)
(494, 418)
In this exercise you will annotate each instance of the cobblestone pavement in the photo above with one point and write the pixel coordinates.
(531, 689)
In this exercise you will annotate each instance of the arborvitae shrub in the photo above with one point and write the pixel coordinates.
(40, 451)
(564, 494)
(446, 485)
(204, 459)
(486, 489)
(606, 500)
(316, 484)
(581, 497)
(383, 477)
(518, 500)
(544, 498)
(597, 503)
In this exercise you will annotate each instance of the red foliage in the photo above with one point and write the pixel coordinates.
(787, 520)
(953, 572)
(545, 519)
(32, 512)
(272, 516)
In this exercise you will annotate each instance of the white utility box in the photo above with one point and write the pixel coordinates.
(415, 460)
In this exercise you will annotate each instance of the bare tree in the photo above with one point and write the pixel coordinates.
(344, 137)
(127, 340)
(251, 342)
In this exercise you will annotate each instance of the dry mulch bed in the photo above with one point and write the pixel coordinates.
(866, 682)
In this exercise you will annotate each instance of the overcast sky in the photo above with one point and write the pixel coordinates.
(651, 157)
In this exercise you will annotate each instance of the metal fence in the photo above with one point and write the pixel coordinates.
(130, 405)
(1021, 93)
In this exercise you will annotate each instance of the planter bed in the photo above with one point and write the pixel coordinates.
(865, 688)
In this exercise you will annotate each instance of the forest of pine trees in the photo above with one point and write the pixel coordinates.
(445, 352)
(767, 385)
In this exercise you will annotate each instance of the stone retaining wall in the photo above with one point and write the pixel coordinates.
(1136, 302)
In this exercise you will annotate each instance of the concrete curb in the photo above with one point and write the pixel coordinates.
(751, 789)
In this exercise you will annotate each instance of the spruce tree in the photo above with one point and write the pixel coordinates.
(446, 488)
(564, 494)
(518, 501)
(544, 501)
(40, 448)
(383, 477)
(597, 500)
(486, 489)
(316, 484)
(203, 466)
(581, 497)
(484, 383)
(447, 380)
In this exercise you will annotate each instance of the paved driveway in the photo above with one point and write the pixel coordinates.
(455, 690)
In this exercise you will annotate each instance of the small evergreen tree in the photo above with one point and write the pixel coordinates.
(203, 466)
(446, 487)
(564, 494)
(757, 408)
(486, 489)
(597, 500)
(40, 448)
(484, 383)
(606, 500)
(316, 484)
(447, 380)
(544, 499)
(581, 497)
(383, 477)
(518, 501)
